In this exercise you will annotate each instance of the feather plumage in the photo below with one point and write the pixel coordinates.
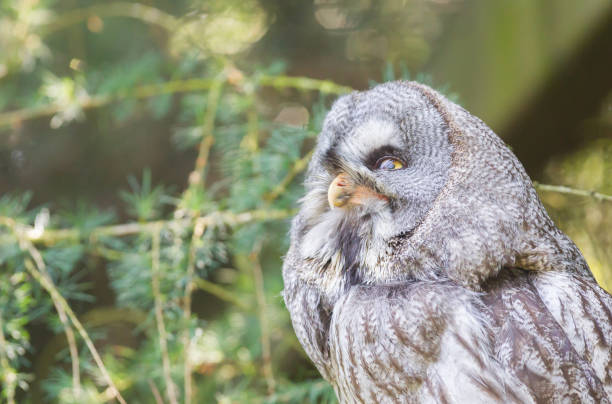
(454, 285)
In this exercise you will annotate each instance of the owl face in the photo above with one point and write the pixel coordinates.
(406, 185)
(375, 174)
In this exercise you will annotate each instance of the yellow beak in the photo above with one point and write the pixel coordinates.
(343, 191)
(340, 191)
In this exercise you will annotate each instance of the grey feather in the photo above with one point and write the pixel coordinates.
(453, 284)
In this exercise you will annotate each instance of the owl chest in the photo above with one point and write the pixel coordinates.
(420, 344)
(380, 350)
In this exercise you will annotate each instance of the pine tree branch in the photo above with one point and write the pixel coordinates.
(227, 218)
(159, 316)
(27, 246)
(149, 90)
(139, 11)
(37, 269)
(52, 290)
(177, 86)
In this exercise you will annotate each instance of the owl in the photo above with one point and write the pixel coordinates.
(424, 268)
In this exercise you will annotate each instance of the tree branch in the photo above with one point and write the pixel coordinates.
(155, 391)
(198, 230)
(573, 191)
(221, 293)
(97, 101)
(263, 319)
(51, 236)
(196, 178)
(27, 246)
(177, 86)
(304, 83)
(38, 271)
(139, 11)
(159, 316)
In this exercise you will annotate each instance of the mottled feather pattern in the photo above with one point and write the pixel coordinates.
(454, 287)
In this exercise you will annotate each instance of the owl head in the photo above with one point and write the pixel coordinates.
(406, 185)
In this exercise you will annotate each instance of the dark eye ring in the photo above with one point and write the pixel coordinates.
(389, 163)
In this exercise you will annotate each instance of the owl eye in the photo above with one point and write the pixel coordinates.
(389, 163)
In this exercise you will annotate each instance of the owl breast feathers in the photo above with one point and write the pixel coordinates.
(424, 268)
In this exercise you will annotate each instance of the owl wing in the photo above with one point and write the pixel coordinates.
(554, 333)
(440, 342)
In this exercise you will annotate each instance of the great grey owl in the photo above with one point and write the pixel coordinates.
(424, 268)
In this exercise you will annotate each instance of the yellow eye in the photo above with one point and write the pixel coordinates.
(389, 163)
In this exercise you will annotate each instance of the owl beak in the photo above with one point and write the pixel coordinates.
(343, 191)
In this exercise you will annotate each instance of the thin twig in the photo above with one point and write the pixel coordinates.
(52, 290)
(97, 101)
(263, 319)
(220, 293)
(72, 347)
(187, 369)
(304, 83)
(36, 269)
(178, 86)
(147, 14)
(8, 375)
(227, 218)
(299, 166)
(28, 247)
(573, 191)
(155, 391)
(250, 141)
(107, 253)
(159, 317)
(196, 178)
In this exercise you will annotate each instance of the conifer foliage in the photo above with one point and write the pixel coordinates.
(192, 275)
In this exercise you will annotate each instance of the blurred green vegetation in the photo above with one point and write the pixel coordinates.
(152, 154)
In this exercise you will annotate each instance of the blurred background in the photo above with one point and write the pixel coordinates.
(151, 155)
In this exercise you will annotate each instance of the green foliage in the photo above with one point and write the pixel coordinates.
(143, 201)
(192, 293)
